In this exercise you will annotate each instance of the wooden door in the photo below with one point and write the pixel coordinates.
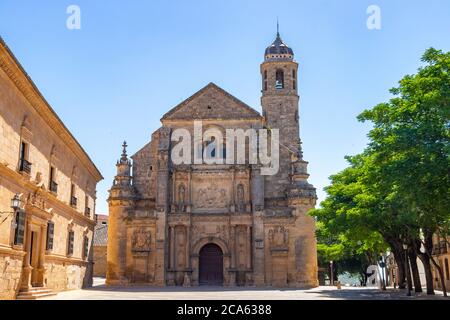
(211, 265)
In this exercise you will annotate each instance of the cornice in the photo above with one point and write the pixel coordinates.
(51, 199)
(13, 69)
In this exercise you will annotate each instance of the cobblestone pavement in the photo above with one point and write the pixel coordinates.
(101, 292)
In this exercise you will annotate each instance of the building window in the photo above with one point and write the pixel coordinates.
(24, 164)
(87, 210)
(52, 183)
(279, 79)
(19, 232)
(293, 74)
(73, 198)
(85, 247)
(70, 241)
(210, 149)
(50, 235)
(447, 271)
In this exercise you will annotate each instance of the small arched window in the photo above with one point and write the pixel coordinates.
(293, 74)
(279, 79)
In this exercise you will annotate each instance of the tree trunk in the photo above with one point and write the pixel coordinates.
(428, 274)
(428, 245)
(441, 276)
(423, 256)
(415, 271)
(400, 261)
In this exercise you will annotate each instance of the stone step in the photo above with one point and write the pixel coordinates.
(34, 293)
(36, 296)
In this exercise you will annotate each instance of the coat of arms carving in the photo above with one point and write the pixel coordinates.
(141, 240)
(278, 238)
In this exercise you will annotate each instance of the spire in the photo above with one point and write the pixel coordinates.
(278, 29)
(124, 151)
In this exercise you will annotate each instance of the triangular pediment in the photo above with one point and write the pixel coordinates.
(211, 102)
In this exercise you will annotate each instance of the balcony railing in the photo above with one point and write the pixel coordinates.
(53, 187)
(25, 166)
(73, 201)
(87, 212)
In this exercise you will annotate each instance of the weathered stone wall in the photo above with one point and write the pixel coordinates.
(26, 117)
(11, 270)
(99, 261)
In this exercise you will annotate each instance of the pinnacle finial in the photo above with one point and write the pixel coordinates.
(278, 28)
(124, 150)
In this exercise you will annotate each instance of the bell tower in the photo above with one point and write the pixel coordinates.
(280, 102)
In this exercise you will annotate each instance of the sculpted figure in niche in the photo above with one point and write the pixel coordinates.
(181, 198)
(240, 203)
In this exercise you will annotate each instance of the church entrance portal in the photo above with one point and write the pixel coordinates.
(211, 265)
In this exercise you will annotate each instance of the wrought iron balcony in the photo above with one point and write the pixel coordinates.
(25, 166)
(73, 201)
(53, 187)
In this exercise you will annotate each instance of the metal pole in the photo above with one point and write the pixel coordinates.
(408, 280)
(331, 272)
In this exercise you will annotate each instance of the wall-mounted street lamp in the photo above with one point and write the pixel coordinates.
(16, 203)
(408, 280)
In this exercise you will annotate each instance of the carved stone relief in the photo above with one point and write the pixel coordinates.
(211, 196)
(278, 238)
(141, 240)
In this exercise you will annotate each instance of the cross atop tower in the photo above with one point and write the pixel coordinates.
(124, 150)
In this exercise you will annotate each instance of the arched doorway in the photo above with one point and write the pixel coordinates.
(211, 265)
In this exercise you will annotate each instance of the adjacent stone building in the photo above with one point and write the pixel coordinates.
(100, 244)
(46, 233)
(441, 255)
(217, 224)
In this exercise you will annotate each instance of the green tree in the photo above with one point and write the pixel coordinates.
(410, 143)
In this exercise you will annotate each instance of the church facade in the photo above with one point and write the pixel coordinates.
(224, 224)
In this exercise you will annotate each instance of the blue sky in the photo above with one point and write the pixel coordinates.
(132, 61)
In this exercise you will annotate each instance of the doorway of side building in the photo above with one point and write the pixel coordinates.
(34, 258)
(211, 265)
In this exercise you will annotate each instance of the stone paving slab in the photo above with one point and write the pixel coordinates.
(102, 292)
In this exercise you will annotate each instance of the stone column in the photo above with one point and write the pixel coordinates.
(249, 247)
(188, 242)
(41, 269)
(26, 275)
(172, 247)
(257, 196)
(162, 190)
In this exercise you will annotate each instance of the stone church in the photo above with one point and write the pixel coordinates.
(217, 224)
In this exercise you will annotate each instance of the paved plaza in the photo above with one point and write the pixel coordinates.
(102, 292)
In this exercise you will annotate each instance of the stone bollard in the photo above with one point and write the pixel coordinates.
(338, 285)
